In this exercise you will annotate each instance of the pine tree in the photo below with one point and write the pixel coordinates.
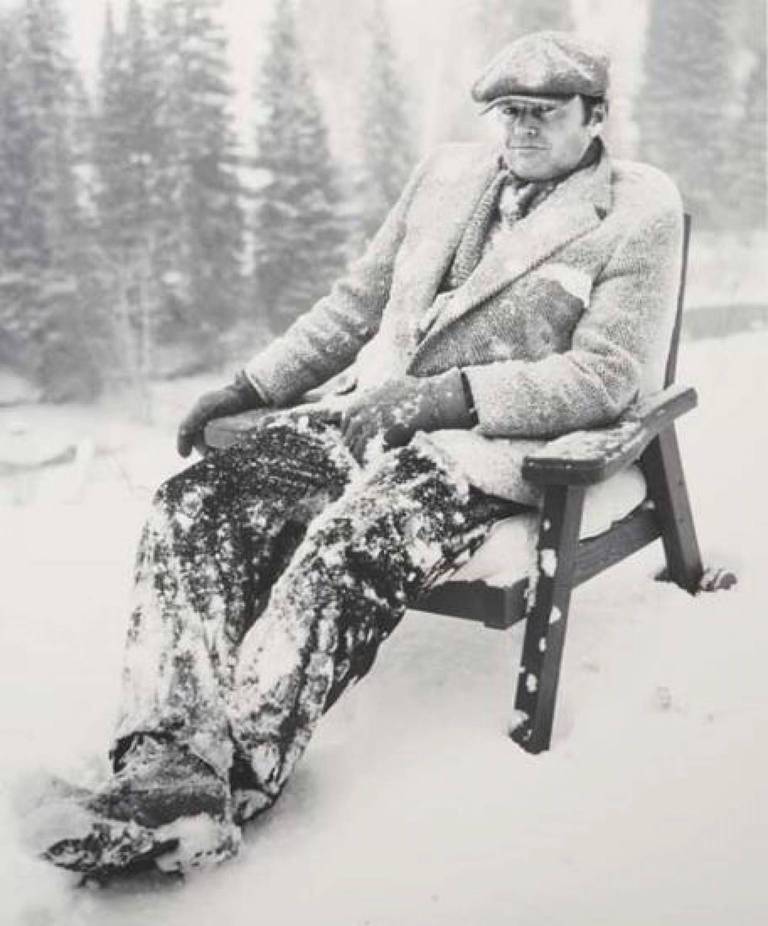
(298, 235)
(126, 139)
(751, 194)
(749, 171)
(37, 97)
(45, 322)
(386, 135)
(502, 21)
(126, 135)
(17, 219)
(199, 232)
(684, 106)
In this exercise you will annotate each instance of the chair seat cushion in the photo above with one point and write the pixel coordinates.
(507, 552)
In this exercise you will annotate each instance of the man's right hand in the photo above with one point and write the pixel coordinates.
(239, 396)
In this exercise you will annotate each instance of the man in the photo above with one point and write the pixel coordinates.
(515, 292)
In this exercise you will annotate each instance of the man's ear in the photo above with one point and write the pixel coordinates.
(597, 117)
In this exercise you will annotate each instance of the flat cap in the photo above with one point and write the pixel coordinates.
(544, 64)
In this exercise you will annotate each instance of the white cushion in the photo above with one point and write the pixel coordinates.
(507, 552)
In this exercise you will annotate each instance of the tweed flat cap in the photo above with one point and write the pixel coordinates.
(544, 64)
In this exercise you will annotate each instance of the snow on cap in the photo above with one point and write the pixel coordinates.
(544, 64)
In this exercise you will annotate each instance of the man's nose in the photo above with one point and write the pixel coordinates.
(524, 126)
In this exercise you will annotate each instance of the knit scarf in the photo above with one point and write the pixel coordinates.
(507, 198)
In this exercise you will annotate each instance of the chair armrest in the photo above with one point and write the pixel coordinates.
(587, 457)
(223, 432)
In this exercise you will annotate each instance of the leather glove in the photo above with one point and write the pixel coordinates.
(399, 408)
(239, 396)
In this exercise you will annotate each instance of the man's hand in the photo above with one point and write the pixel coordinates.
(399, 408)
(239, 396)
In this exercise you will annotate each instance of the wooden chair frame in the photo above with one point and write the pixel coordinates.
(564, 469)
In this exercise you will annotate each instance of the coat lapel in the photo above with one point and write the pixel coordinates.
(450, 208)
(569, 212)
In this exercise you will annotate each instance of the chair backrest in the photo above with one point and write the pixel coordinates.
(674, 344)
(659, 370)
(660, 367)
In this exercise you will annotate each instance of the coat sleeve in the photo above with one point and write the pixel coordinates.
(326, 339)
(594, 381)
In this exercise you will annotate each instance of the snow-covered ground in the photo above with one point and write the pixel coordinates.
(411, 806)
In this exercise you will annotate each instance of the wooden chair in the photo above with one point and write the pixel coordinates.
(564, 469)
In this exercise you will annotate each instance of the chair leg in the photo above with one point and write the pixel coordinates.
(666, 484)
(546, 617)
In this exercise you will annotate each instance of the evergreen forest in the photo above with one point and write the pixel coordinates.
(145, 233)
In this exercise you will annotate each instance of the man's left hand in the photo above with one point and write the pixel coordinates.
(399, 408)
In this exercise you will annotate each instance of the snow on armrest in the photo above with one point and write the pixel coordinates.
(586, 457)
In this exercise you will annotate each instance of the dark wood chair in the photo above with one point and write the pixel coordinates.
(564, 469)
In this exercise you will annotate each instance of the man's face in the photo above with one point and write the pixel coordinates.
(544, 139)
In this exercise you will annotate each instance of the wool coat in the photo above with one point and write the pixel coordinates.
(564, 321)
